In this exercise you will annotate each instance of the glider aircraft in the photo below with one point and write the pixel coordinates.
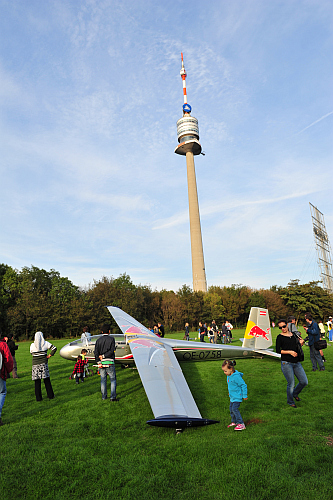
(157, 362)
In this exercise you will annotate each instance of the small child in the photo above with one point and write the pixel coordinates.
(79, 369)
(210, 334)
(237, 392)
(84, 353)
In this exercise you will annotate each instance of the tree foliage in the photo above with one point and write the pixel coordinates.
(309, 297)
(35, 299)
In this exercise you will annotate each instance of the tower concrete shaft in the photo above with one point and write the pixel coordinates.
(198, 264)
(189, 146)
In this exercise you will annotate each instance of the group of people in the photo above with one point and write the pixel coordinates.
(158, 330)
(104, 357)
(80, 367)
(289, 344)
(212, 332)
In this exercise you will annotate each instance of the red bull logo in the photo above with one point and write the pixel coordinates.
(134, 329)
(145, 342)
(256, 331)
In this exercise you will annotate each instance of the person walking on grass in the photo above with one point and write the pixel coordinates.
(313, 332)
(187, 332)
(292, 326)
(6, 362)
(79, 369)
(105, 358)
(40, 367)
(330, 329)
(237, 389)
(289, 346)
(229, 328)
(322, 336)
(215, 330)
(12, 347)
(202, 332)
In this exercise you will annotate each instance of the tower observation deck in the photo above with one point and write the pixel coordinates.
(189, 146)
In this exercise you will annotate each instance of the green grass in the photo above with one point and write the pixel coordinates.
(78, 446)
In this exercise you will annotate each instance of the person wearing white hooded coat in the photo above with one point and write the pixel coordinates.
(40, 368)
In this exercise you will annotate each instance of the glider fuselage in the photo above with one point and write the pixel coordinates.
(184, 350)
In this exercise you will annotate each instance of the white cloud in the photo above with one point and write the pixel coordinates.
(91, 93)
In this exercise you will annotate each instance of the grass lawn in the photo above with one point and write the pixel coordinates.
(78, 446)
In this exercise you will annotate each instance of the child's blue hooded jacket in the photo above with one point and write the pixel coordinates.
(237, 387)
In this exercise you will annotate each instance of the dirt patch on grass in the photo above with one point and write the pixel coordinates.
(329, 441)
(254, 421)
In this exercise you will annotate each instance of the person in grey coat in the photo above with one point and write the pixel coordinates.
(314, 335)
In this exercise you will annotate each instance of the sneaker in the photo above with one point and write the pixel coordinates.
(322, 369)
(114, 400)
(240, 427)
(232, 424)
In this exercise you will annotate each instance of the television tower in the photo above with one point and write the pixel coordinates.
(189, 145)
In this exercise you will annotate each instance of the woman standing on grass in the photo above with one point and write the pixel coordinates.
(202, 332)
(187, 332)
(40, 368)
(290, 349)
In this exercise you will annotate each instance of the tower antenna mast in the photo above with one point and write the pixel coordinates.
(323, 248)
(189, 146)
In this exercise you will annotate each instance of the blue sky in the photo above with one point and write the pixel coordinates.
(90, 94)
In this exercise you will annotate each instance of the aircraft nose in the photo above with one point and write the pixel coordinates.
(66, 352)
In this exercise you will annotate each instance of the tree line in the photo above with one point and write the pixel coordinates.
(34, 299)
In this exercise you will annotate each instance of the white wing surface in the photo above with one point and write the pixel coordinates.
(163, 380)
(168, 393)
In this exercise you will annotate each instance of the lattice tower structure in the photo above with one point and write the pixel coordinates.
(189, 146)
(323, 248)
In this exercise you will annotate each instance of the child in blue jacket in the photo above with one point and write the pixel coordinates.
(237, 392)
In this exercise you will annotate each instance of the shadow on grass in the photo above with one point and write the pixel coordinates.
(197, 387)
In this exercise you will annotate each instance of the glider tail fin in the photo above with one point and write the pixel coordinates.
(258, 332)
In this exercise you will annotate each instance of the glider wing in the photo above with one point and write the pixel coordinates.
(168, 393)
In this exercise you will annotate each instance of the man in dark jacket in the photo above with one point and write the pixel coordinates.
(6, 367)
(105, 358)
(12, 347)
(314, 335)
(215, 330)
(161, 329)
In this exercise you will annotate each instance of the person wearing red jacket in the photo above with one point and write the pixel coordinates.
(79, 369)
(6, 368)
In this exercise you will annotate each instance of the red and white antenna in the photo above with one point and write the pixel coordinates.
(183, 75)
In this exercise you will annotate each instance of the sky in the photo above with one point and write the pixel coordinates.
(90, 93)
